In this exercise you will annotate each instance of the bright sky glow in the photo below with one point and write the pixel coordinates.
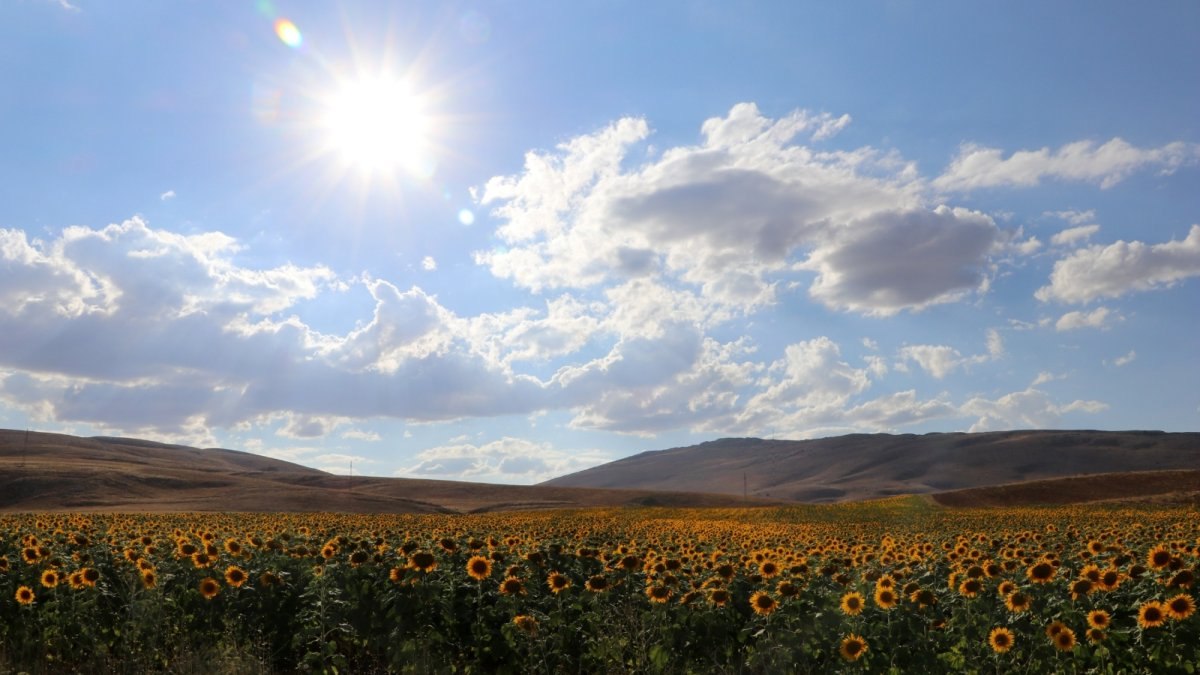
(378, 124)
(509, 241)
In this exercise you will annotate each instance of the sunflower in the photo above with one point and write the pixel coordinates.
(787, 589)
(1005, 588)
(558, 582)
(235, 576)
(885, 598)
(1152, 614)
(1001, 639)
(512, 586)
(149, 578)
(75, 579)
(1095, 635)
(853, 603)
(479, 568)
(658, 593)
(1180, 606)
(209, 588)
(423, 561)
(923, 597)
(396, 574)
(359, 558)
(597, 583)
(1158, 557)
(768, 569)
(1109, 579)
(1054, 628)
(90, 576)
(50, 578)
(762, 603)
(719, 597)
(25, 595)
(1080, 588)
(853, 647)
(970, 588)
(1064, 640)
(1041, 573)
(233, 547)
(1182, 579)
(1098, 618)
(526, 623)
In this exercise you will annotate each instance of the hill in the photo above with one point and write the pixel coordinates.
(1158, 486)
(866, 466)
(53, 472)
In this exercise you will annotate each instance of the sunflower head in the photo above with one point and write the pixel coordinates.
(1098, 618)
(209, 588)
(1180, 606)
(235, 576)
(1151, 614)
(25, 595)
(1064, 640)
(479, 568)
(527, 624)
(852, 647)
(1001, 639)
(512, 586)
(1158, 557)
(558, 582)
(658, 593)
(852, 603)
(762, 603)
(597, 583)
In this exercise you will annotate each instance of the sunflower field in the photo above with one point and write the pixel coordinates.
(891, 586)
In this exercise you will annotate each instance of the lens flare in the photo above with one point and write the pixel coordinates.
(466, 217)
(287, 31)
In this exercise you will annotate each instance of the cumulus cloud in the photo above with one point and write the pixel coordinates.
(1083, 161)
(1122, 267)
(167, 196)
(147, 330)
(1074, 235)
(429, 264)
(1028, 409)
(1126, 359)
(1101, 317)
(941, 360)
(508, 460)
(727, 218)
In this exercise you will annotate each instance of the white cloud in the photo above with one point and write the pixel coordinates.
(428, 264)
(1101, 317)
(508, 460)
(1122, 267)
(1126, 359)
(941, 360)
(360, 435)
(728, 219)
(1106, 164)
(1073, 217)
(1028, 409)
(146, 330)
(1074, 235)
(1046, 376)
(167, 196)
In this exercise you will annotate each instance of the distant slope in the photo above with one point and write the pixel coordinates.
(865, 466)
(54, 472)
(1164, 486)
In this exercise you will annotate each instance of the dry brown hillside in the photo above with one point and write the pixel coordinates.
(59, 472)
(865, 466)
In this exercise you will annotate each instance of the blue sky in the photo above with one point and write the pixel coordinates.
(505, 241)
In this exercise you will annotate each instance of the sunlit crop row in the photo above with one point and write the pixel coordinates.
(897, 584)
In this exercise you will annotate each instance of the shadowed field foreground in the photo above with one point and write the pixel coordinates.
(898, 584)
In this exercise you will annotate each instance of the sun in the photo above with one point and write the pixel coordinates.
(378, 124)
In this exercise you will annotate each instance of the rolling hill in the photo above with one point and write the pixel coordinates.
(52, 472)
(865, 466)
